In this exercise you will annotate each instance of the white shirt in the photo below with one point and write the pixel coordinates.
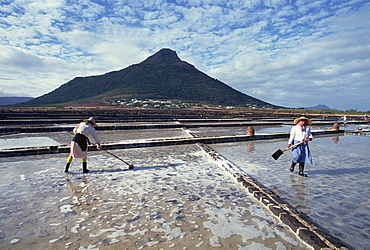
(86, 130)
(297, 134)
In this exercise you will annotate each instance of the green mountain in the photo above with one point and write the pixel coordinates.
(161, 76)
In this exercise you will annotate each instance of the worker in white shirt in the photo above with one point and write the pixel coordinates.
(301, 153)
(80, 142)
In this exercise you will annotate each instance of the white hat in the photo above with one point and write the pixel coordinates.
(91, 120)
(308, 121)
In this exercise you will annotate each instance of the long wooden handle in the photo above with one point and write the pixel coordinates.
(295, 145)
(116, 156)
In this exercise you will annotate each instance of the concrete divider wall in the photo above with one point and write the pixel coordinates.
(360, 133)
(158, 142)
(40, 129)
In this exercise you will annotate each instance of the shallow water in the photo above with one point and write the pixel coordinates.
(228, 131)
(64, 138)
(336, 193)
(175, 198)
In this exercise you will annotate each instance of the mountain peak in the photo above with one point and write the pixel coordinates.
(320, 106)
(164, 55)
(165, 52)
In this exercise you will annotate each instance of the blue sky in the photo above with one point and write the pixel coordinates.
(294, 53)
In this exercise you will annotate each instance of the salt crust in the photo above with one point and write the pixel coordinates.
(174, 193)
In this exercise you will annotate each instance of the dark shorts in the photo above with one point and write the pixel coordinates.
(81, 140)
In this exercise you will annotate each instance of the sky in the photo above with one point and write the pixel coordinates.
(292, 53)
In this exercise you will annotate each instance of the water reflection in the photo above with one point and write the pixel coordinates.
(335, 139)
(299, 191)
(82, 199)
(250, 147)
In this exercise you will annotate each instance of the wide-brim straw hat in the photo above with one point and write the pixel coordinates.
(92, 121)
(308, 121)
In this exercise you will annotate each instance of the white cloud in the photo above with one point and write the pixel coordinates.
(324, 70)
(296, 54)
(15, 59)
